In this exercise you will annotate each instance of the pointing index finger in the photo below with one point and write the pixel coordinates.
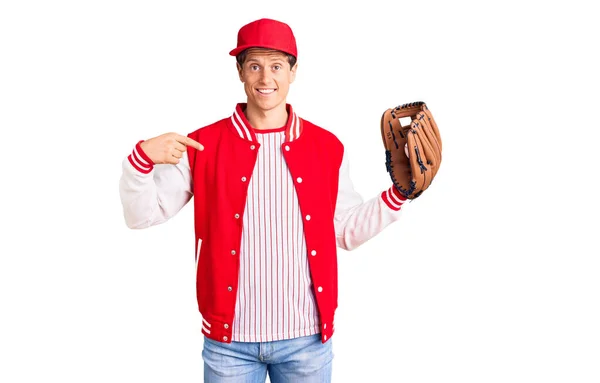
(187, 141)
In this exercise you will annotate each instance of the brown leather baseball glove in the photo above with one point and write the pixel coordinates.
(413, 153)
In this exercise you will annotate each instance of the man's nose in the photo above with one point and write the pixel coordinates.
(265, 76)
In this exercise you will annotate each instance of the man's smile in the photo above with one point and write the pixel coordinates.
(265, 90)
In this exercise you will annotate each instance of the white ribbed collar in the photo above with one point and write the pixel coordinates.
(293, 128)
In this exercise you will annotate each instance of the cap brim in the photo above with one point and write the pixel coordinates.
(237, 50)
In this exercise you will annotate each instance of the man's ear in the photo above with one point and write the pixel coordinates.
(293, 73)
(239, 69)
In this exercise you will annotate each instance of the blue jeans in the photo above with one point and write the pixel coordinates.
(302, 360)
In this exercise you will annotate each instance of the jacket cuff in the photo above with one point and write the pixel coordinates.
(393, 199)
(139, 160)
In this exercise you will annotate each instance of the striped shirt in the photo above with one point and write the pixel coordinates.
(275, 299)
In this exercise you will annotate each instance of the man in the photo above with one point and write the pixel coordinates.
(272, 202)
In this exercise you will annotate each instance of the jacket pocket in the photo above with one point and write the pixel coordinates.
(198, 247)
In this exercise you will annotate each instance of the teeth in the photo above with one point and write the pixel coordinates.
(266, 91)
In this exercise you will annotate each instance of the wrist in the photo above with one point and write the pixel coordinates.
(140, 160)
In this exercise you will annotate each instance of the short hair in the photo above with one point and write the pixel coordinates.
(241, 57)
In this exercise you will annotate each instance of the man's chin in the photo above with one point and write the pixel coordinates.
(264, 105)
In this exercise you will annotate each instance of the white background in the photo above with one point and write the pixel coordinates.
(492, 275)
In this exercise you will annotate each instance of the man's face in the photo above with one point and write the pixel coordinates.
(267, 77)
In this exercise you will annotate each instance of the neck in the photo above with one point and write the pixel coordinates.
(266, 119)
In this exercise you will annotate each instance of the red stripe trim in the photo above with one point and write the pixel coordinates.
(236, 127)
(289, 132)
(147, 159)
(240, 125)
(139, 160)
(244, 123)
(298, 126)
(398, 198)
(293, 126)
(393, 199)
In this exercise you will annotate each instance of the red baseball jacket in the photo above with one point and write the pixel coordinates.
(334, 215)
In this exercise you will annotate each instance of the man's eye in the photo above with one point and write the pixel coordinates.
(254, 67)
(277, 67)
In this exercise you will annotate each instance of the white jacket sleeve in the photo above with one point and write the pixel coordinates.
(151, 194)
(357, 221)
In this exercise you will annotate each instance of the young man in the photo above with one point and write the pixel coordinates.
(272, 202)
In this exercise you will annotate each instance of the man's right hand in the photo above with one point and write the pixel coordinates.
(168, 148)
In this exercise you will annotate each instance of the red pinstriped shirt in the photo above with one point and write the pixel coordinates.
(275, 299)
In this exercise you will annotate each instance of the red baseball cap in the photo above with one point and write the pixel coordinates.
(266, 33)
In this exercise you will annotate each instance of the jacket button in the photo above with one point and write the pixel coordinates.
(324, 326)
(237, 216)
(319, 289)
(226, 326)
(313, 253)
(287, 148)
(299, 179)
(324, 337)
(243, 179)
(252, 147)
(308, 217)
(233, 252)
(225, 338)
(231, 288)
